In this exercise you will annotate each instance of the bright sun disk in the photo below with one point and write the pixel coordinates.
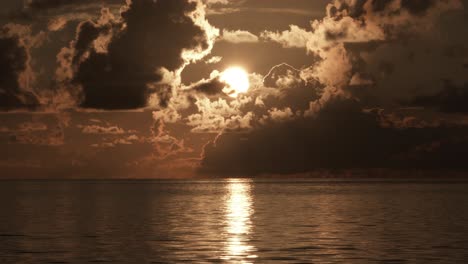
(237, 80)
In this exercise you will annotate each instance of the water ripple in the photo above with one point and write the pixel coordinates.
(233, 221)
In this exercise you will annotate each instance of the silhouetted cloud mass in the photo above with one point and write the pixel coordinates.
(151, 36)
(14, 59)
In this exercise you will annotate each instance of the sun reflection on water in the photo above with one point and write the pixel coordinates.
(238, 212)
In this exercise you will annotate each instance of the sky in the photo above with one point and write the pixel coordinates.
(146, 88)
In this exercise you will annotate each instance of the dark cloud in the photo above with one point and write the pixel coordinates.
(13, 62)
(418, 7)
(412, 61)
(210, 87)
(451, 99)
(354, 10)
(154, 35)
(357, 8)
(403, 71)
(341, 136)
(293, 91)
(380, 5)
(41, 12)
(48, 4)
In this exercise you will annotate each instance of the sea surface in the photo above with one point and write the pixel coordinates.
(234, 221)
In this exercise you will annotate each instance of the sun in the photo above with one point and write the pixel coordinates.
(237, 80)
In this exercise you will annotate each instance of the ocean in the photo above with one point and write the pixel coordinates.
(234, 221)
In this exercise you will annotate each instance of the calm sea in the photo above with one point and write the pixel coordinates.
(233, 221)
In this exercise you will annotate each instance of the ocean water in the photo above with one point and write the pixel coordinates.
(233, 221)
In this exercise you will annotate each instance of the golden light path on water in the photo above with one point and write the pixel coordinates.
(238, 213)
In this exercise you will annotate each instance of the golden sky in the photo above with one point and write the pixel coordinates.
(184, 88)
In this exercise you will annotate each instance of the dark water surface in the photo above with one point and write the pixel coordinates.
(233, 221)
